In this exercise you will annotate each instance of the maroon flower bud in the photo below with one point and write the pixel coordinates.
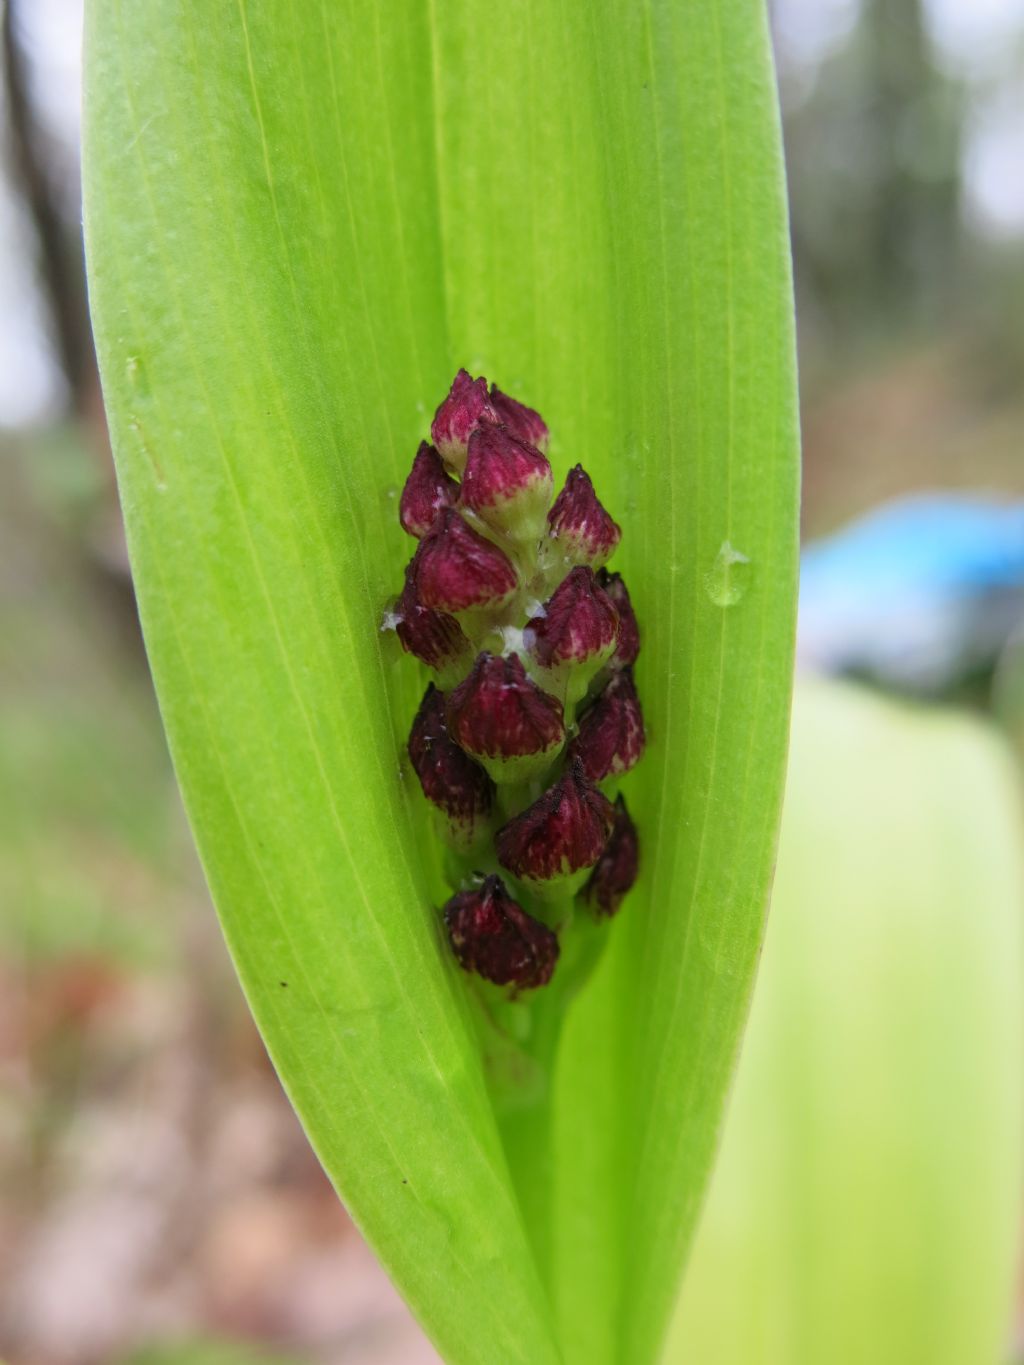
(501, 717)
(562, 834)
(611, 734)
(507, 482)
(616, 870)
(628, 646)
(457, 417)
(434, 637)
(494, 937)
(584, 531)
(522, 421)
(427, 489)
(456, 569)
(575, 633)
(451, 781)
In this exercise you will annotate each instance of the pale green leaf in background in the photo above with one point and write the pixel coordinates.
(867, 1204)
(300, 221)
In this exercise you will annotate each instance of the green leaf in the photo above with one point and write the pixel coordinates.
(866, 1204)
(300, 221)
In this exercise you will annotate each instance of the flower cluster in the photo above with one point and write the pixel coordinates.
(532, 714)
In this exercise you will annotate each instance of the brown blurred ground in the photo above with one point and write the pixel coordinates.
(933, 415)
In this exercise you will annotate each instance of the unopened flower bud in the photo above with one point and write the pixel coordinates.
(511, 669)
(628, 646)
(574, 634)
(457, 418)
(522, 421)
(508, 723)
(456, 569)
(507, 483)
(432, 636)
(616, 870)
(611, 733)
(427, 490)
(553, 842)
(582, 529)
(497, 939)
(456, 786)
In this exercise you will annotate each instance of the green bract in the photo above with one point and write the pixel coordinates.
(301, 220)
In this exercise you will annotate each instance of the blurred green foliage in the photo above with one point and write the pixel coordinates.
(866, 1205)
(874, 166)
(93, 852)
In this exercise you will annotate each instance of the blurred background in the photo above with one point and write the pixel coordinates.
(158, 1190)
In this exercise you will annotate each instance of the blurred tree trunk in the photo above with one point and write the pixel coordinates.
(873, 142)
(60, 257)
(915, 121)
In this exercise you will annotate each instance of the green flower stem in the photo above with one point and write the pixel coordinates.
(522, 1041)
(526, 1129)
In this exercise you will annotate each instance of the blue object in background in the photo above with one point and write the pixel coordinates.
(918, 594)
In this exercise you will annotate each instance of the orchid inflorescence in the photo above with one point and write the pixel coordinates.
(533, 714)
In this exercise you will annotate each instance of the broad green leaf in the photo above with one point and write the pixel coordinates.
(300, 221)
(866, 1206)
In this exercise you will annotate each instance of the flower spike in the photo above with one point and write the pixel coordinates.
(434, 637)
(456, 569)
(628, 646)
(457, 418)
(456, 786)
(616, 870)
(611, 734)
(501, 717)
(560, 836)
(574, 634)
(495, 938)
(507, 482)
(582, 529)
(578, 623)
(508, 601)
(522, 421)
(427, 490)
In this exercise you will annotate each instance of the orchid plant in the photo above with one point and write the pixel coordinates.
(301, 222)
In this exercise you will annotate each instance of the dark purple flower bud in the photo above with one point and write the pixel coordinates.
(522, 421)
(628, 646)
(616, 870)
(584, 531)
(494, 937)
(456, 569)
(501, 717)
(434, 637)
(427, 489)
(451, 781)
(578, 624)
(562, 834)
(457, 418)
(611, 733)
(507, 483)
